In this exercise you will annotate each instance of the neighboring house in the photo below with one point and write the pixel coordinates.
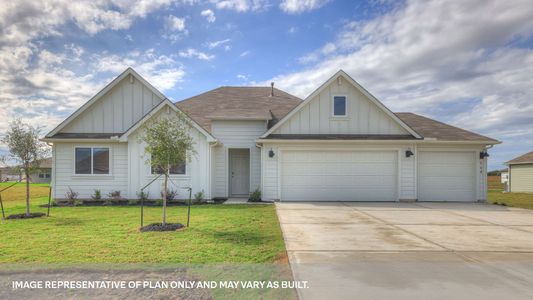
(340, 144)
(10, 174)
(521, 174)
(44, 173)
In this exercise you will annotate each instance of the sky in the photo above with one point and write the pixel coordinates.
(468, 63)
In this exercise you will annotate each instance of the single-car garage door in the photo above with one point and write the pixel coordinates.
(310, 175)
(446, 176)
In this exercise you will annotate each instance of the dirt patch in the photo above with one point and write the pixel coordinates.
(161, 227)
(282, 258)
(24, 216)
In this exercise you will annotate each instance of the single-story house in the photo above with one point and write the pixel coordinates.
(521, 174)
(44, 173)
(338, 144)
(504, 176)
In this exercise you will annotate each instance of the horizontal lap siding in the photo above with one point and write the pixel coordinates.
(85, 185)
(522, 178)
(236, 134)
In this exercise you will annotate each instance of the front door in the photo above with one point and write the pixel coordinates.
(239, 172)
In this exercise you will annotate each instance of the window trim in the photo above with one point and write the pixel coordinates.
(333, 106)
(92, 174)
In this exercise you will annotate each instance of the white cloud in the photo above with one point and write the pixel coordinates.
(245, 53)
(174, 23)
(292, 30)
(241, 5)
(217, 44)
(242, 77)
(209, 15)
(299, 6)
(193, 53)
(443, 59)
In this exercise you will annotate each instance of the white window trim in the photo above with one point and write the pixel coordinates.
(92, 175)
(333, 106)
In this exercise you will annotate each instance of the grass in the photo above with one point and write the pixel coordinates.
(497, 196)
(218, 234)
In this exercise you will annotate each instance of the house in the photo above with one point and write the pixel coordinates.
(340, 144)
(44, 173)
(504, 176)
(521, 174)
(8, 173)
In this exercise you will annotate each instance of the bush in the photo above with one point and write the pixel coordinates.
(108, 202)
(171, 194)
(115, 195)
(142, 195)
(97, 195)
(255, 196)
(133, 202)
(77, 202)
(199, 197)
(159, 202)
(71, 196)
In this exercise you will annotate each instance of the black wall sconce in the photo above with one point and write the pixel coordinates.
(483, 154)
(409, 153)
(270, 153)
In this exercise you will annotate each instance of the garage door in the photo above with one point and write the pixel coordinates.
(446, 176)
(339, 175)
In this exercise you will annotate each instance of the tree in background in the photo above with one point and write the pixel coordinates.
(168, 143)
(25, 148)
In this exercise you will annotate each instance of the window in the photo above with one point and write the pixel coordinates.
(339, 106)
(178, 169)
(44, 175)
(92, 160)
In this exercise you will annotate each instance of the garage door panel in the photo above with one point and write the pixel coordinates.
(446, 176)
(339, 175)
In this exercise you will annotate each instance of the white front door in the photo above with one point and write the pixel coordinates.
(446, 176)
(330, 175)
(239, 172)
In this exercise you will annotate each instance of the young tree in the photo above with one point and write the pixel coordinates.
(168, 143)
(25, 148)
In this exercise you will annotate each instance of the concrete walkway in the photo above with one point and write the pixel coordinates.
(409, 250)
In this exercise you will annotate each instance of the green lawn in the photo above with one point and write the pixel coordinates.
(496, 195)
(218, 234)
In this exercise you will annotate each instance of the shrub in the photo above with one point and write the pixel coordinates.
(115, 195)
(158, 202)
(171, 194)
(77, 202)
(255, 196)
(71, 196)
(199, 197)
(133, 202)
(108, 202)
(97, 195)
(142, 195)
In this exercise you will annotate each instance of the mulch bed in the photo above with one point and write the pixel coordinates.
(24, 216)
(161, 227)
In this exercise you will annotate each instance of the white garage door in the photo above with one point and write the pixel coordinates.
(339, 175)
(446, 176)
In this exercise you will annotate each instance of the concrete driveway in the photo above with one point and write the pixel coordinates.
(409, 250)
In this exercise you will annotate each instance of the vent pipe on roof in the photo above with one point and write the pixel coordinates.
(272, 89)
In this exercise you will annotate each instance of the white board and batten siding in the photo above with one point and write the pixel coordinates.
(235, 134)
(363, 116)
(117, 110)
(340, 172)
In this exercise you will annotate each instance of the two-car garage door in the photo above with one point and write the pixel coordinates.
(339, 175)
(310, 175)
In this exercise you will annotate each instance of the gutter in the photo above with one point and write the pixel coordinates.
(416, 141)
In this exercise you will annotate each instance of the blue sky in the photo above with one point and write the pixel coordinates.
(468, 63)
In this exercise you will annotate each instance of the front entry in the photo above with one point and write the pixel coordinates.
(239, 172)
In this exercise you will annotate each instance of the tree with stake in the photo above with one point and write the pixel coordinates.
(168, 144)
(25, 148)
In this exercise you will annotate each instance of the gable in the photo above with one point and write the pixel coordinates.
(364, 115)
(117, 110)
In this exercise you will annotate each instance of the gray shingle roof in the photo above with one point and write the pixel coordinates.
(526, 158)
(238, 103)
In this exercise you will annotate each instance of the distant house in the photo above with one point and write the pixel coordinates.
(41, 175)
(521, 173)
(504, 176)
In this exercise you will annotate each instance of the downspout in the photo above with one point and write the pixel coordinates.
(54, 169)
(210, 167)
(260, 146)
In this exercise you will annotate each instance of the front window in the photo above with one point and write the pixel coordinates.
(339, 106)
(92, 160)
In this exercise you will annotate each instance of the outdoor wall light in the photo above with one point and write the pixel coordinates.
(409, 153)
(483, 154)
(270, 153)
